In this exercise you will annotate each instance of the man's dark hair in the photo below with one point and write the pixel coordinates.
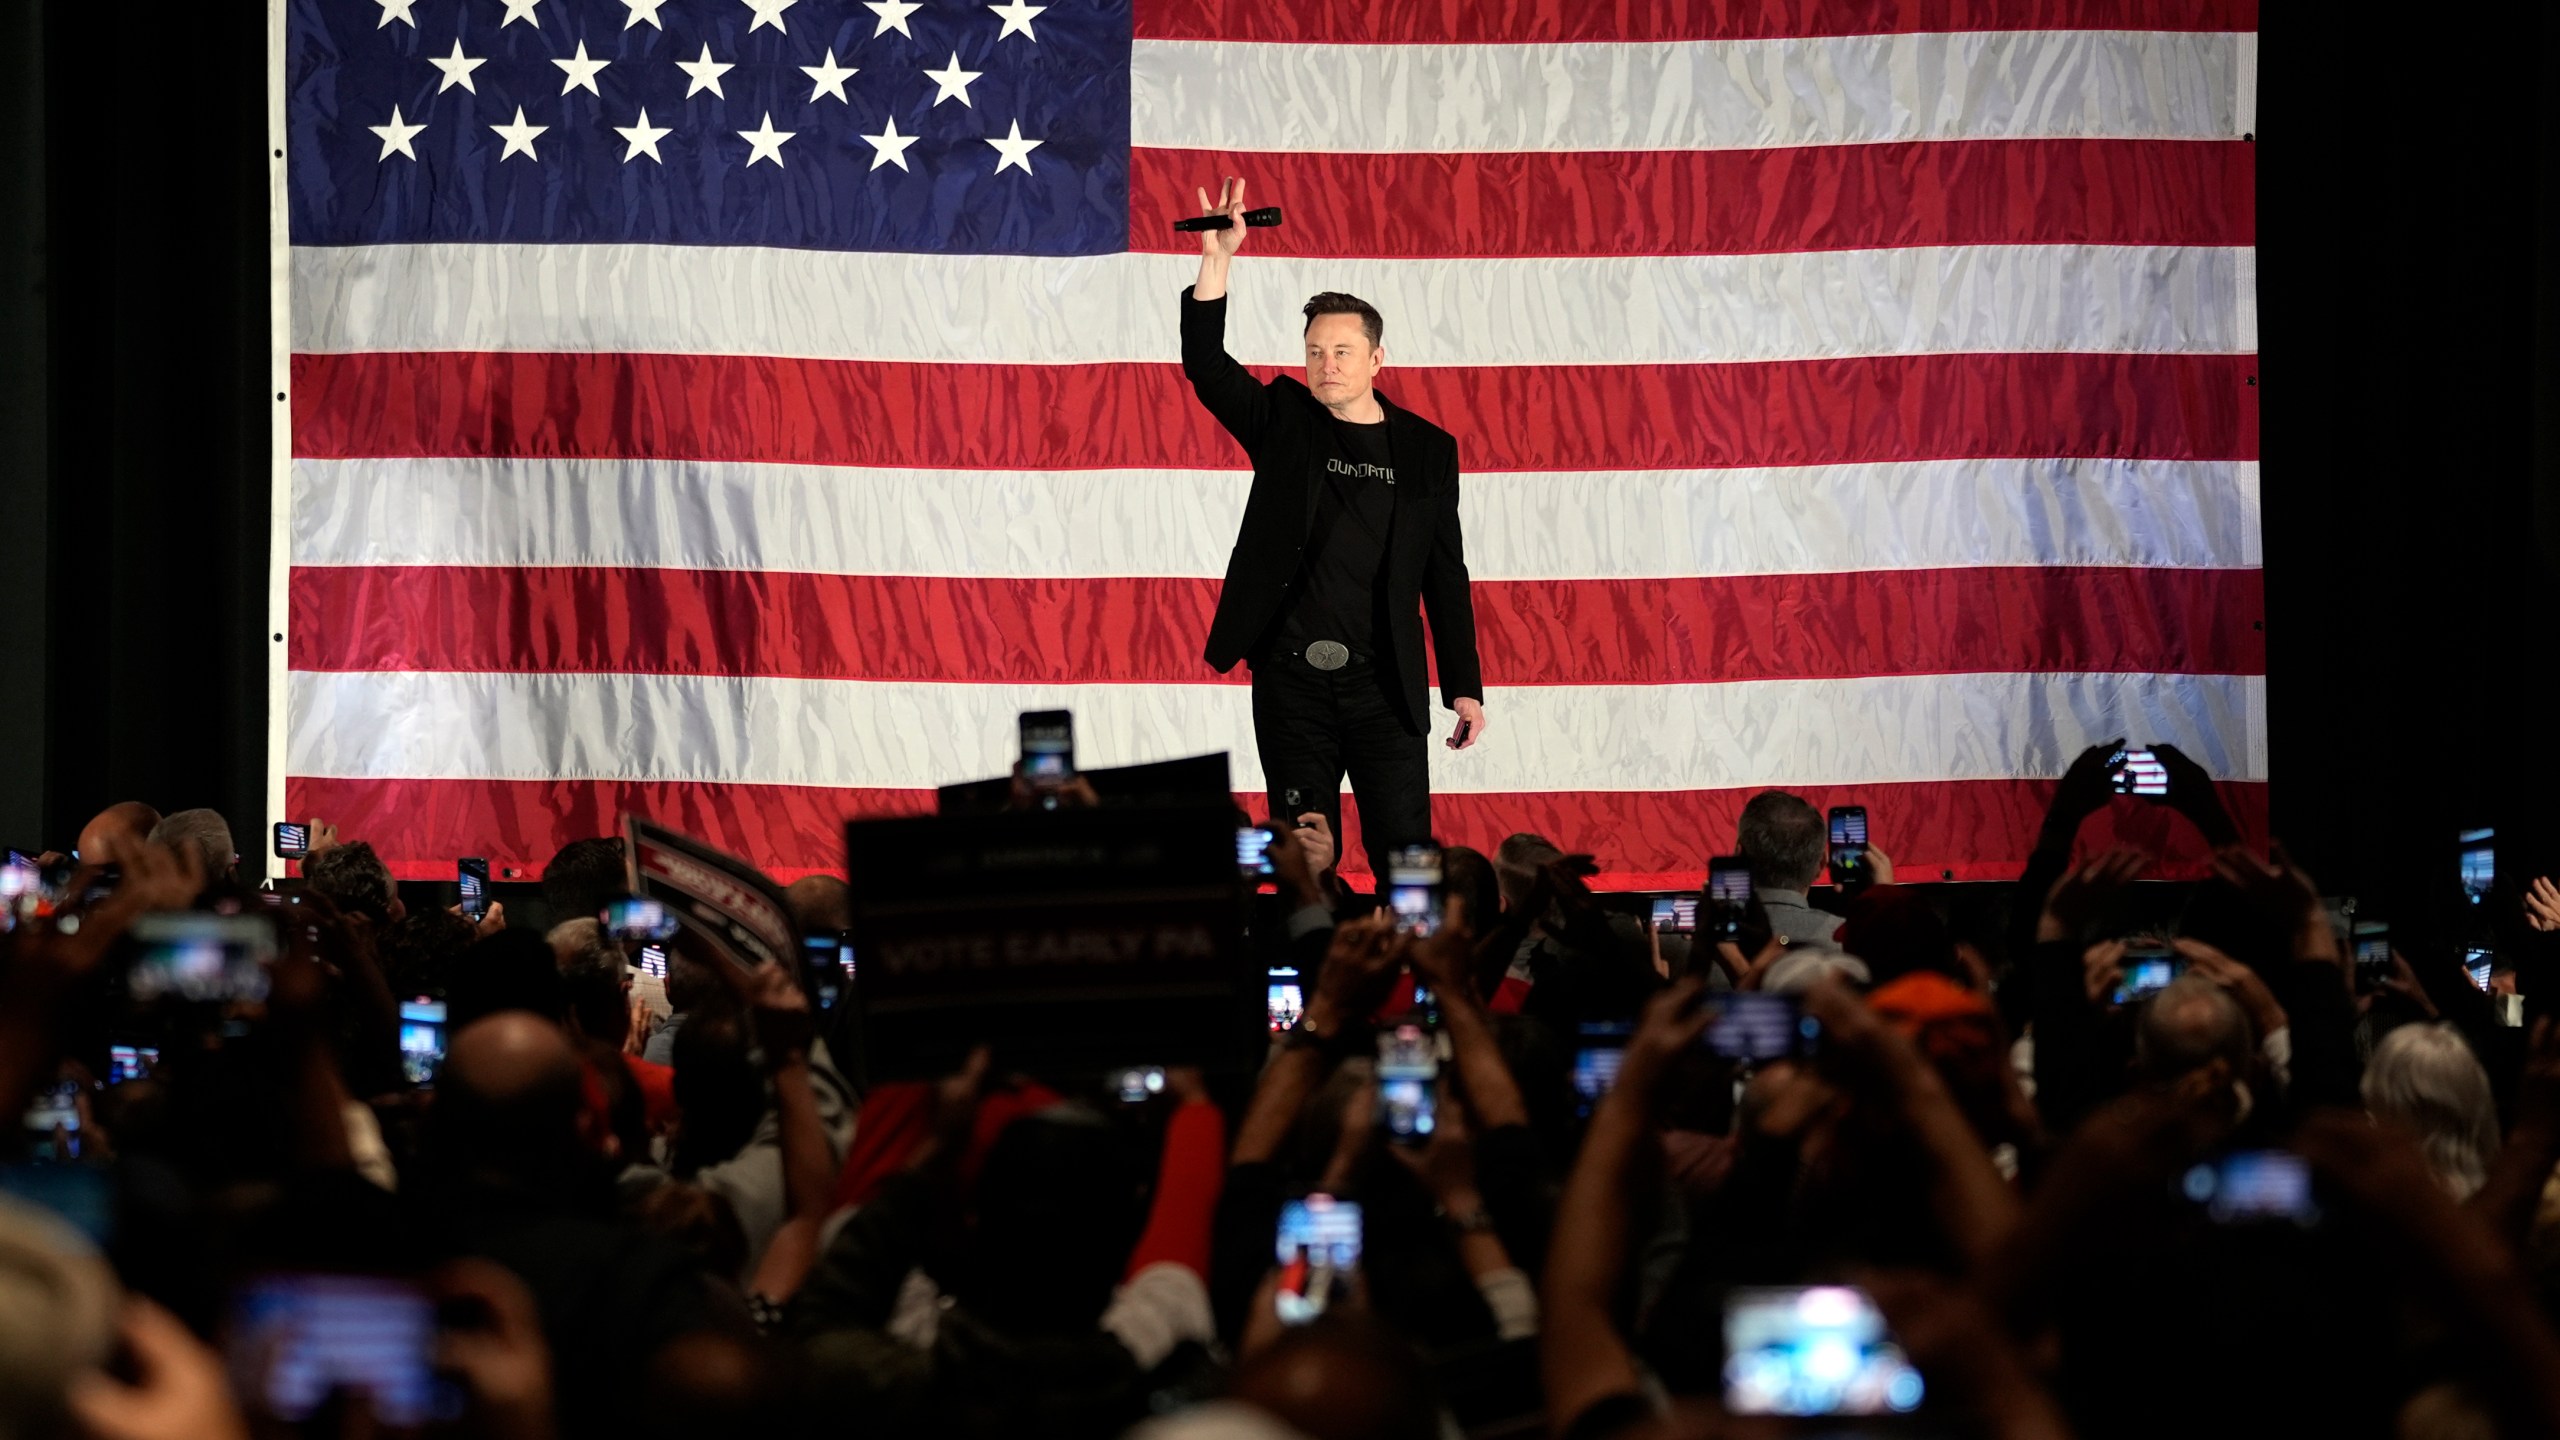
(511, 970)
(594, 996)
(1516, 862)
(420, 953)
(1334, 302)
(584, 875)
(1468, 874)
(354, 878)
(1783, 839)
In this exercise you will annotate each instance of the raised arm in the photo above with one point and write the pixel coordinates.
(1585, 1360)
(1222, 385)
(785, 1030)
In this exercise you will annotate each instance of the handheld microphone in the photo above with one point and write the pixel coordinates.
(1262, 219)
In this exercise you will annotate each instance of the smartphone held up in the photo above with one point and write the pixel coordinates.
(471, 879)
(1728, 896)
(1318, 1249)
(1848, 861)
(1048, 740)
(1413, 888)
(2139, 772)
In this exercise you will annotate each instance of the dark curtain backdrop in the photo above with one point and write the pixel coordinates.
(133, 470)
(2409, 263)
(2410, 249)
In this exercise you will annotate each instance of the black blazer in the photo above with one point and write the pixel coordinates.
(1287, 434)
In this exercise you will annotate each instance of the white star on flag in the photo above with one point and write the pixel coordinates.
(395, 10)
(457, 68)
(519, 137)
(1017, 16)
(889, 147)
(829, 77)
(521, 10)
(893, 16)
(706, 73)
(767, 142)
(581, 72)
(644, 138)
(643, 10)
(396, 136)
(1015, 150)
(768, 12)
(952, 82)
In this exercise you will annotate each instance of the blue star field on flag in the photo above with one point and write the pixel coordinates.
(951, 126)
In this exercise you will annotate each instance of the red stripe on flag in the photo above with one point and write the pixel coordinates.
(1619, 417)
(1529, 22)
(1963, 830)
(1720, 202)
(1148, 630)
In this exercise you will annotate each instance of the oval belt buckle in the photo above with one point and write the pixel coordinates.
(1328, 654)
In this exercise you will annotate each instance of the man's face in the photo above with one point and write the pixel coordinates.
(1341, 363)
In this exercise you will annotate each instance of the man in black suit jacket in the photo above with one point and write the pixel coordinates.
(1351, 526)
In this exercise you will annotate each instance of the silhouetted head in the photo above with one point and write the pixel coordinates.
(1344, 1377)
(1058, 1206)
(112, 833)
(820, 904)
(1897, 932)
(1784, 840)
(584, 875)
(356, 880)
(720, 1094)
(511, 1105)
(203, 831)
(511, 970)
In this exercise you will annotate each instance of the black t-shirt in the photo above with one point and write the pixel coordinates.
(1335, 594)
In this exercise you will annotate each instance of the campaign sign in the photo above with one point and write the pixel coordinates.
(1071, 941)
(719, 897)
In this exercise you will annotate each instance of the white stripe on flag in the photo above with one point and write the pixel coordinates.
(1610, 524)
(1695, 95)
(445, 725)
(1011, 309)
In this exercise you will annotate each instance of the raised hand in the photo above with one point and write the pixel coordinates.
(1673, 1019)
(2241, 981)
(1359, 968)
(1316, 833)
(2279, 887)
(504, 1362)
(785, 1026)
(2402, 982)
(2191, 794)
(493, 920)
(2089, 784)
(2101, 971)
(2080, 896)
(1223, 244)
(178, 1390)
(2542, 904)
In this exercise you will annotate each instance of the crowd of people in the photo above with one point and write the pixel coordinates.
(2102, 1158)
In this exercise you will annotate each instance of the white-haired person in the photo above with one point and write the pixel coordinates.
(2424, 1077)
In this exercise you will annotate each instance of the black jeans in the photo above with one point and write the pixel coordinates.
(1310, 726)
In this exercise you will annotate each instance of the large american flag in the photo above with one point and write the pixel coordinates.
(737, 411)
